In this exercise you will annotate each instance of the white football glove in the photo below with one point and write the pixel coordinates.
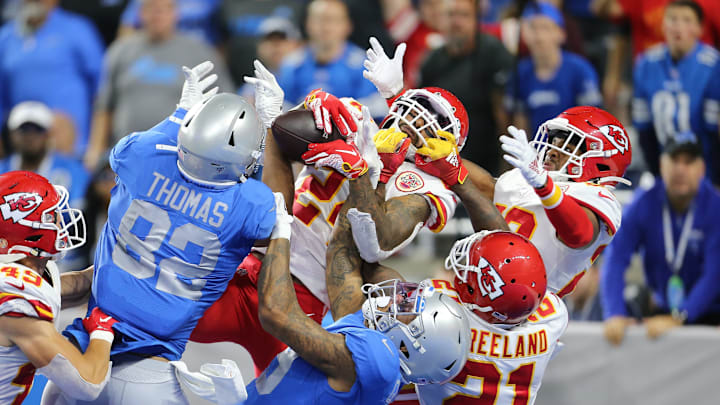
(268, 94)
(195, 88)
(366, 146)
(385, 73)
(283, 220)
(524, 157)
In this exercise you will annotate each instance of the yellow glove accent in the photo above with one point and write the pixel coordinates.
(388, 140)
(437, 148)
(446, 136)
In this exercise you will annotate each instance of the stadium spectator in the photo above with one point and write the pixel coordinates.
(672, 92)
(105, 14)
(676, 224)
(278, 38)
(53, 56)
(475, 67)
(550, 80)
(143, 77)
(328, 61)
(30, 138)
(197, 18)
(420, 29)
(242, 21)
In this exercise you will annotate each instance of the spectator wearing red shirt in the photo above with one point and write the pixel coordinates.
(419, 28)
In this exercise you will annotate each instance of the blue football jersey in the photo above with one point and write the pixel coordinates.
(672, 96)
(170, 245)
(574, 83)
(290, 379)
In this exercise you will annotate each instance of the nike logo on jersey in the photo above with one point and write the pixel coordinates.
(19, 287)
(600, 193)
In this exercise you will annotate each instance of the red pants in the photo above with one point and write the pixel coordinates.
(234, 317)
(407, 396)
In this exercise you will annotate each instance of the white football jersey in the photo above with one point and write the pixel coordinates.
(504, 366)
(319, 196)
(523, 211)
(24, 293)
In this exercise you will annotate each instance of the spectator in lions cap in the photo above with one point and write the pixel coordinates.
(676, 224)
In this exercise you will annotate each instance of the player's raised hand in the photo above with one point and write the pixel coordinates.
(99, 325)
(269, 96)
(521, 155)
(327, 108)
(197, 85)
(344, 158)
(392, 146)
(283, 220)
(385, 73)
(440, 158)
(366, 145)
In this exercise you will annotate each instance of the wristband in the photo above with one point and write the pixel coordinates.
(102, 335)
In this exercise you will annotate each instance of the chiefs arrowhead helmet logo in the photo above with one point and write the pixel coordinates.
(617, 137)
(17, 206)
(489, 280)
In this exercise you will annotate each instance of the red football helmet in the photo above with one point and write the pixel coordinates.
(499, 275)
(35, 217)
(601, 140)
(439, 109)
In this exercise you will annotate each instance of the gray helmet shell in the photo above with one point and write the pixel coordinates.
(220, 140)
(434, 346)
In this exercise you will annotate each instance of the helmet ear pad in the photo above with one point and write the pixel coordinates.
(220, 140)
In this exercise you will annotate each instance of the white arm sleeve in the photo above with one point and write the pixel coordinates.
(366, 240)
(61, 372)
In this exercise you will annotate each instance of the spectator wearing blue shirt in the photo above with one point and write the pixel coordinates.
(329, 61)
(53, 56)
(551, 80)
(676, 226)
(29, 126)
(672, 87)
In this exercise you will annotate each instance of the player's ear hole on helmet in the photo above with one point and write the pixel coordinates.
(33, 238)
(450, 366)
(404, 350)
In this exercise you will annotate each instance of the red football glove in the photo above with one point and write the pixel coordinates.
(99, 325)
(326, 107)
(392, 146)
(441, 159)
(338, 155)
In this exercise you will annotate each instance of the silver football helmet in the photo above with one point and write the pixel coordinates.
(220, 139)
(429, 329)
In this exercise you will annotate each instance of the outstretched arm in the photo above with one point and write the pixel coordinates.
(395, 219)
(75, 286)
(281, 315)
(81, 376)
(441, 159)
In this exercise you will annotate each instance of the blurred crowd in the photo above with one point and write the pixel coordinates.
(78, 75)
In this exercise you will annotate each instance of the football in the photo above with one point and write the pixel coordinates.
(295, 130)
